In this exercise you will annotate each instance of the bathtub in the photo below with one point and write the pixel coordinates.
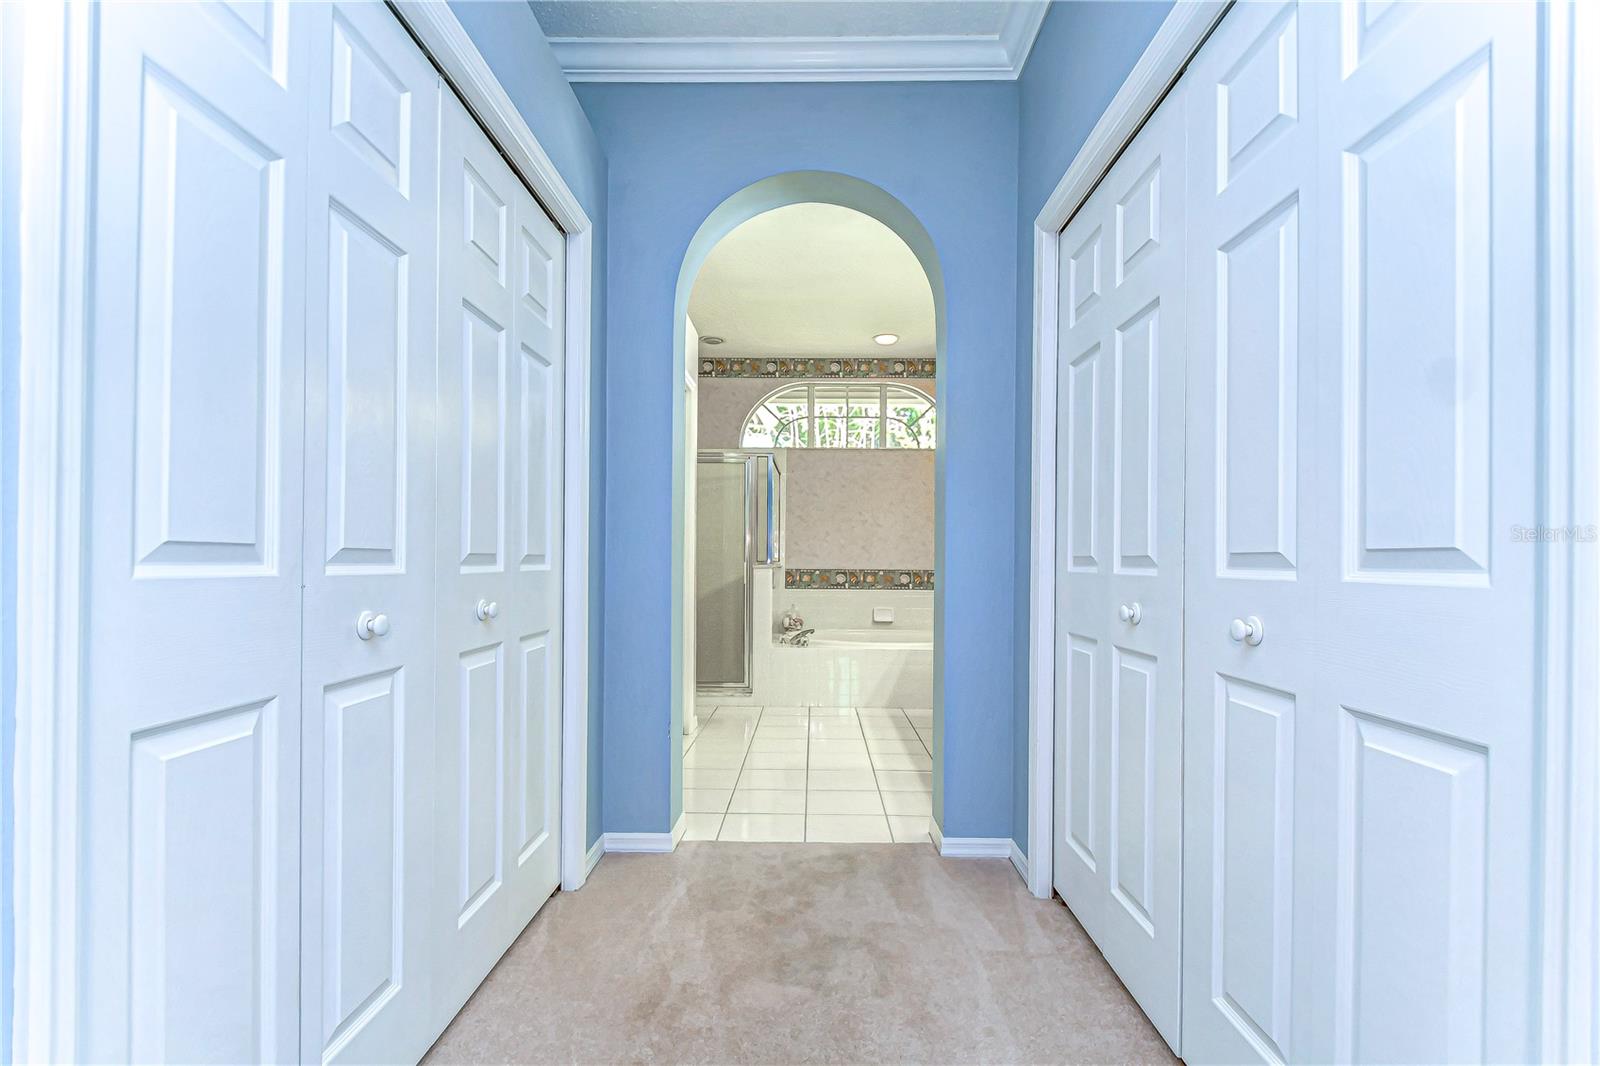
(849, 662)
(883, 637)
(883, 667)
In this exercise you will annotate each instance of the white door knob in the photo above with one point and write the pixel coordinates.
(1130, 613)
(372, 624)
(487, 609)
(1247, 630)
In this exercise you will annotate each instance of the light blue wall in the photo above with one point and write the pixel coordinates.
(948, 152)
(515, 47)
(1083, 52)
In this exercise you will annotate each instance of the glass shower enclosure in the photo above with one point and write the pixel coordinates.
(737, 514)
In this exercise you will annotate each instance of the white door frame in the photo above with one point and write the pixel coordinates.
(1570, 585)
(57, 146)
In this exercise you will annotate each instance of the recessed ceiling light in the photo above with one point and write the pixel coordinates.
(710, 340)
(886, 339)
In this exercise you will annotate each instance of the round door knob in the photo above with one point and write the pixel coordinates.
(1130, 613)
(372, 624)
(1247, 630)
(487, 609)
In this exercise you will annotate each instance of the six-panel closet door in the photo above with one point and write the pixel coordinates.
(501, 294)
(1360, 765)
(371, 391)
(1119, 682)
(190, 734)
(321, 794)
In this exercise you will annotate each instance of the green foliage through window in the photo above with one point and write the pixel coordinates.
(839, 414)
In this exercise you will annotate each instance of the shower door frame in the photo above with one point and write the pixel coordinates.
(747, 686)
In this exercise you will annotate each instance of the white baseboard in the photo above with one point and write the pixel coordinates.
(646, 843)
(592, 858)
(969, 847)
(678, 830)
(1020, 861)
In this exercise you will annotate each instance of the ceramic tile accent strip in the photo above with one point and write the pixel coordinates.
(887, 580)
(817, 368)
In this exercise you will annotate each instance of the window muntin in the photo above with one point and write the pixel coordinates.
(838, 414)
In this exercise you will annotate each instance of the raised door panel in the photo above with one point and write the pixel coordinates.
(541, 474)
(362, 850)
(189, 728)
(1134, 722)
(1412, 917)
(1257, 430)
(371, 108)
(1136, 476)
(1079, 739)
(1257, 99)
(206, 447)
(1418, 252)
(205, 912)
(368, 399)
(1082, 412)
(482, 441)
(480, 857)
(538, 710)
(1252, 858)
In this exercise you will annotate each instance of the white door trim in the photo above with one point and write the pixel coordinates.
(54, 269)
(57, 168)
(1570, 1029)
(1174, 44)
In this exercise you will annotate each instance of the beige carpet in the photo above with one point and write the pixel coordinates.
(794, 953)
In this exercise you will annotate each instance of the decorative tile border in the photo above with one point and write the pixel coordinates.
(817, 368)
(884, 580)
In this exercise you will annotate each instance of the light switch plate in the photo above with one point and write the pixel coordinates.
(883, 614)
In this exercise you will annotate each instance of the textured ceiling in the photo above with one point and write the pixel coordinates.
(768, 18)
(813, 280)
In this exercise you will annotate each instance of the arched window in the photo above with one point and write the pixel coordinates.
(840, 414)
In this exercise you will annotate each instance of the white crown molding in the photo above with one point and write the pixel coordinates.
(994, 57)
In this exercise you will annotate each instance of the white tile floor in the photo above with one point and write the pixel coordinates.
(836, 774)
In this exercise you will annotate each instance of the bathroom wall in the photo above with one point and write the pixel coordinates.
(846, 509)
(857, 510)
(852, 608)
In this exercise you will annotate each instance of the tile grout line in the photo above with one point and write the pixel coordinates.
(883, 808)
(744, 758)
(805, 783)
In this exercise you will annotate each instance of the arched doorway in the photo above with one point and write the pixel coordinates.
(848, 408)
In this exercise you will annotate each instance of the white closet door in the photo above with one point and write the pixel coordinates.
(1253, 376)
(1422, 740)
(1360, 784)
(499, 462)
(1120, 598)
(190, 815)
(369, 540)
(530, 612)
